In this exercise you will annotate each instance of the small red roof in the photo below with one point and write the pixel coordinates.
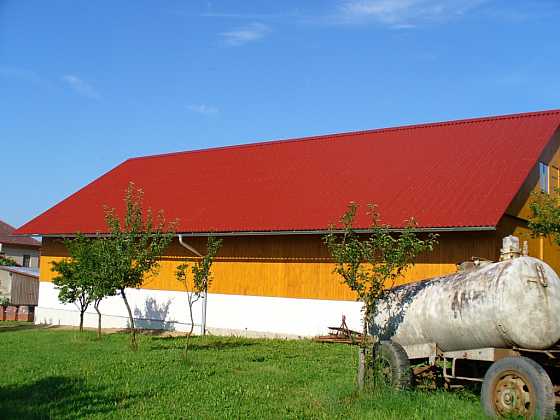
(6, 237)
(450, 174)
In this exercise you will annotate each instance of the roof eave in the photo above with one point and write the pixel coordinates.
(290, 232)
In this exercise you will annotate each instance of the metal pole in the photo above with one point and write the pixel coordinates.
(204, 312)
(195, 252)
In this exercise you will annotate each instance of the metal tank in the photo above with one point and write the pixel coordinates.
(515, 302)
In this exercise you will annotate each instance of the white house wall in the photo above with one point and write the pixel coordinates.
(16, 253)
(226, 314)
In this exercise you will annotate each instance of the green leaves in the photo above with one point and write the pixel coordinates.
(370, 263)
(77, 276)
(136, 243)
(80, 278)
(545, 215)
(8, 261)
(201, 270)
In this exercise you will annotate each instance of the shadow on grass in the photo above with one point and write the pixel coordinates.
(196, 343)
(16, 326)
(147, 332)
(59, 397)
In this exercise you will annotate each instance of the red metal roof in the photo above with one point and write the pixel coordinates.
(451, 174)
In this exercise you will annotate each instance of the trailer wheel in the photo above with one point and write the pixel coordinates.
(394, 366)
(517, 386)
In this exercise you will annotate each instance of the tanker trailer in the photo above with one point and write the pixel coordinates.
(495, 323)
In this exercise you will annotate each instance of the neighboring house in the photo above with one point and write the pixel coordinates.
(20, 285)
(469, 181)
(24, 251)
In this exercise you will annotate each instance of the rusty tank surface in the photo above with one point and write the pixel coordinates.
(511, 303)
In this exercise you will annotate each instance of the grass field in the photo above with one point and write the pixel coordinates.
(54, 373)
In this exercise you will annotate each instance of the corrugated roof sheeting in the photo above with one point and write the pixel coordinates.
(454, 174)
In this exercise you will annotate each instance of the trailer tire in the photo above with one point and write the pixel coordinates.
(394, 364)
(517, 385)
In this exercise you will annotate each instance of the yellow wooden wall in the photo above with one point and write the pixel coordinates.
(295, 266)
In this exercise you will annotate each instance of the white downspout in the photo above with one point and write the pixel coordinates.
(190, 248)
(205, 298)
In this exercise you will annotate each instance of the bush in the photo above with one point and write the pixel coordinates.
(7, 261)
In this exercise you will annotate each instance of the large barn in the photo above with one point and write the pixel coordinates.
(467, 180)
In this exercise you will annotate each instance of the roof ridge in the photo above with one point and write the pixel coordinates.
(355, 133)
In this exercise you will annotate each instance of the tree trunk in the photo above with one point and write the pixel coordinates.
(133, 342)
(82, 320)
(363, 353)
(190, 332)
(361, 369)
(96, 306)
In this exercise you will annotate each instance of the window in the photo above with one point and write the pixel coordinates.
(26, 260)
(543, 176)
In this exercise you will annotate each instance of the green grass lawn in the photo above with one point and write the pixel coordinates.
(53, 373)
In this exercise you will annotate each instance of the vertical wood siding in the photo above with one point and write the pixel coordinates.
(290, 266)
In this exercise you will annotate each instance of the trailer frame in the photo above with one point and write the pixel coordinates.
(455, 365)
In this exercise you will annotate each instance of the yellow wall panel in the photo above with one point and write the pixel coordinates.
(289, 266)
(296, 280)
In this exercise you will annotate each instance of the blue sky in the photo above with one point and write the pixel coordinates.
(86, 84)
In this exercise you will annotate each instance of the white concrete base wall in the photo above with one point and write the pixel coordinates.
(226, 314)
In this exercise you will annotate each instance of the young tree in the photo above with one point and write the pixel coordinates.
(77, 275)
(545, 215)
(371, 263)
(201, 280)
(133, 247)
